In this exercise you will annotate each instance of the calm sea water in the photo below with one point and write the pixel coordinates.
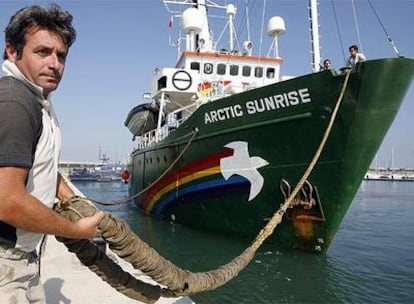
(371, 259)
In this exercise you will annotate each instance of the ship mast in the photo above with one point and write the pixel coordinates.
(316, 56)
(204, 41)
(194, 24)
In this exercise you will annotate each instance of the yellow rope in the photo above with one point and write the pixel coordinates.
(277, 217)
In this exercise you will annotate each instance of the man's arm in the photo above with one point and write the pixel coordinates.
(63, 190)
(24, 211)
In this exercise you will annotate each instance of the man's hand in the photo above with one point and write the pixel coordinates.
(88, 227)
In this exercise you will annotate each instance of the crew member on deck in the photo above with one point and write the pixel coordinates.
(326, 65)
(355, 57)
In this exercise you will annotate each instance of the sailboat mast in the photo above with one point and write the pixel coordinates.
(316, 55)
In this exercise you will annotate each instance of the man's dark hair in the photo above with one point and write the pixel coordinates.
(355, 47)
(50, 18)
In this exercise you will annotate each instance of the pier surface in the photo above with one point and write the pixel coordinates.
(66, 280)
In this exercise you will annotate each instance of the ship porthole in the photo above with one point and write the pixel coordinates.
(208, 68)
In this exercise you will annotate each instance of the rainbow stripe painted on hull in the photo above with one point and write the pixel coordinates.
(192, 183)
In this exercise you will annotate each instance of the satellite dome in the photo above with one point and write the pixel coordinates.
(276, 26)
(191, 20)
(231, 10)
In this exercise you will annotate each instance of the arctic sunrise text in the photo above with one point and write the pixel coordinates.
(269, 103)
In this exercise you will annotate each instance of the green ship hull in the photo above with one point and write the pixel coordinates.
(252, 148)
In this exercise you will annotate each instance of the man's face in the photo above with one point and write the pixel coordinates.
(43, 59)
(353, 52)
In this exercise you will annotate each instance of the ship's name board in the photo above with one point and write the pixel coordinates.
(251, 107)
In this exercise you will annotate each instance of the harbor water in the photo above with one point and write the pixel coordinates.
(371, 259)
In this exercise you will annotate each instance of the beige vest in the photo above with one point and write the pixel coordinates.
(42, 179)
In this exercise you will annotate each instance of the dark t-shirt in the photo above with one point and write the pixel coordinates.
(20, 129)
(20, 123)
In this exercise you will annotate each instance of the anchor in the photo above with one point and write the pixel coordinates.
(305, 213)
(305, 205)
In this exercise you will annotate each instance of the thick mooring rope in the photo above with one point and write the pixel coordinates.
(178, 282)
(123, 242)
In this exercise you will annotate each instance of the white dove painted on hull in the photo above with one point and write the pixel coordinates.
(241, 163)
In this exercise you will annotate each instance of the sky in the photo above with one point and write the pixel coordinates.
(120, 43)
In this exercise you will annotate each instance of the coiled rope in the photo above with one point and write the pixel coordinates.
(178, 282)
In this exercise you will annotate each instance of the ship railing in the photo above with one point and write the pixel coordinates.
(154, 136)
(146, 139)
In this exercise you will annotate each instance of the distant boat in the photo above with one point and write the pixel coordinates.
(84, 175)
(99, 173)
(389, 175)
(102, 172)
(109, 172)
(247, 134)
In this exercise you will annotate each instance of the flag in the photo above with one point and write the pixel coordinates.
(170, 24)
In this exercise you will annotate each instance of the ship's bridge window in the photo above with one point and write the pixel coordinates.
(234, 70)
(258, 72)
(208, 68)
(246, 71)
(195, 66)
(162, 82)
(270, 73)
(221, 69)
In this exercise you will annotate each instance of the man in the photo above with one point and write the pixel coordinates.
(37, 43)
(355, 57)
